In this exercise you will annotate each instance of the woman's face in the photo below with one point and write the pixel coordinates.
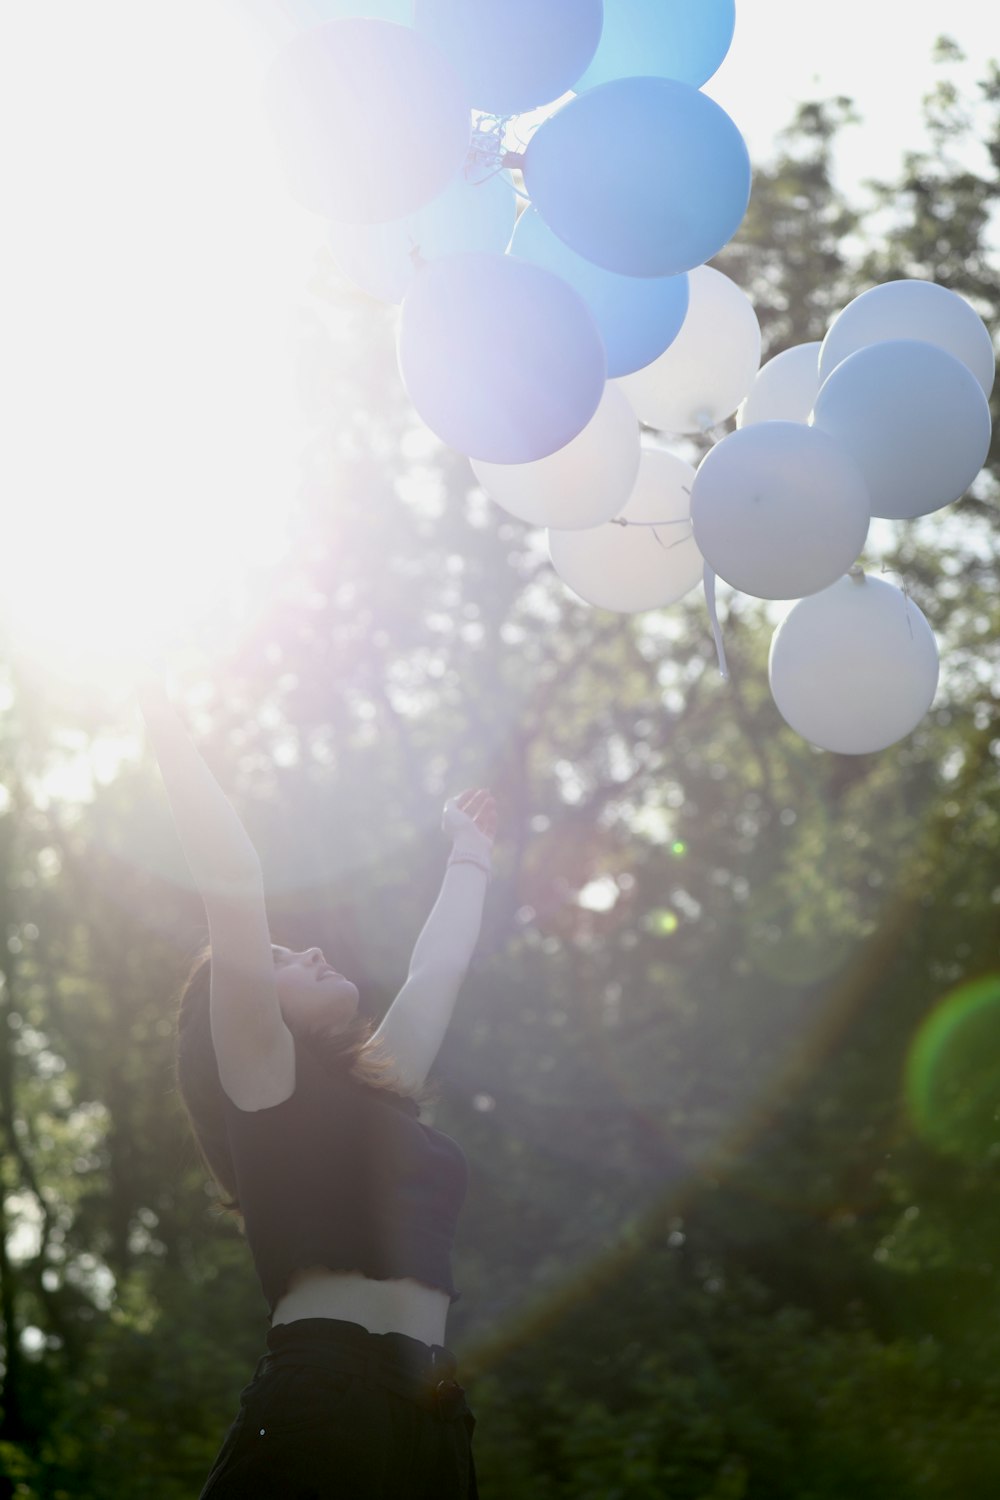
(313, 997)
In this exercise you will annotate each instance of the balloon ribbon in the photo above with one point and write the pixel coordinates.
(713, 615)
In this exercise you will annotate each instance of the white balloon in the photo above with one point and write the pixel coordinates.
(914, 418)
(912, 310)
(710, 366)
(785, 388)
(579, 486)
(633, 568)
(854, 668)
(779, 510)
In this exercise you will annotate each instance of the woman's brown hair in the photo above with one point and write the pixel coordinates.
(197, 1071)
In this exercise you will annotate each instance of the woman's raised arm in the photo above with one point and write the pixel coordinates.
(413, 1028)
(222, 859)
(253, 1047)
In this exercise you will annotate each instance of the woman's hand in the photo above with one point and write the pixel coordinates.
(150, 688)
(471, 820)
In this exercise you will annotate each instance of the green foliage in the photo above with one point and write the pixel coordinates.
(707, 1252)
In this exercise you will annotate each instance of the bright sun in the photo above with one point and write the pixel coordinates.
(150, 437)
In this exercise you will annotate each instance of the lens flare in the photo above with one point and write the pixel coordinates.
(952, 1078)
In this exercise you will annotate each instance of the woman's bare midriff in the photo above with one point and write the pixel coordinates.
(403, 1306)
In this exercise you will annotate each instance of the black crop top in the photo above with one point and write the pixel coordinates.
(345, 1176)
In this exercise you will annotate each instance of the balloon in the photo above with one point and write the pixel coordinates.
(643, 176)
(709, 367)
(371, 119)
(516, 55)
(634, 568)
(581, 485)
(915, 419)
(779, 510)
(785, 389)
(501, 359)
(471, 214)
(854, 668)
(639, 316)
(682, 39)
(912, 310)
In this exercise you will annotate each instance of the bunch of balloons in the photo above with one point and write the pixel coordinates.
(887, 417)
(537, 344)
(396, 133)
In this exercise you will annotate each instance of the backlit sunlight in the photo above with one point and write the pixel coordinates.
(153, 259)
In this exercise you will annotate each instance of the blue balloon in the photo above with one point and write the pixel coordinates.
(638, 316)
(501, 359)
(643, 176)
(682, 39)
(371, 120)
(514, 55)
(382, 259)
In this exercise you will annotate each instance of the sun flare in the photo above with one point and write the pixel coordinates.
(151, 433)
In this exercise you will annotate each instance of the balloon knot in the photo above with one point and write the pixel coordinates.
(906, 597)
(487, 155)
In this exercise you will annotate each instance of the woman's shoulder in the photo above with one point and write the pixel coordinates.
(322, 1080)
(391, 1098)
(291, 1092)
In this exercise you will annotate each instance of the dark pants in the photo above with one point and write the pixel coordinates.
(334, 1412)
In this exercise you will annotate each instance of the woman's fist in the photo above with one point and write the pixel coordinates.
(471, 820)
(150, 688)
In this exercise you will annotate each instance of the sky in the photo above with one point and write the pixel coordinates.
(876, 51)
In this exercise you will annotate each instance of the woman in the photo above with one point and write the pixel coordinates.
(308, 1120)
